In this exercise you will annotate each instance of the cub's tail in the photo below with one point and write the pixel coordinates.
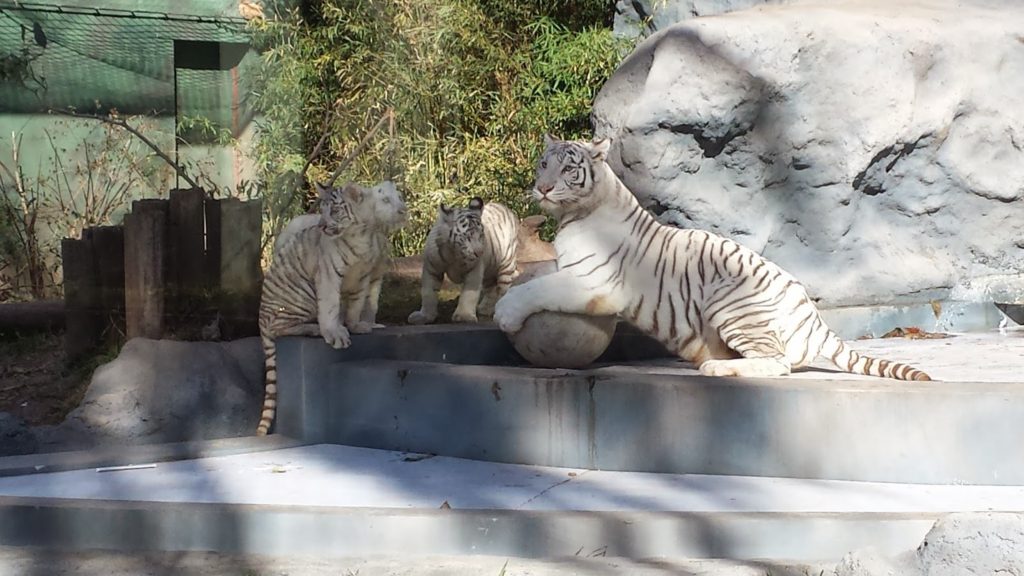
(270, 392)
(851, 361)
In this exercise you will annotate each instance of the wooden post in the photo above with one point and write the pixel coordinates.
(234, 246)
(108, 251)
(81, 297)
(145, 241)
(187, 283)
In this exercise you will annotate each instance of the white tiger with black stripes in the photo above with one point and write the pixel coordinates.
(474, 246)
(710, 300)
(322, 277)
(391, 213)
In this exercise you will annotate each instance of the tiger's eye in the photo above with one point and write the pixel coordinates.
(544, 164)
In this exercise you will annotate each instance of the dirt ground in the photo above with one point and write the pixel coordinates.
(36, 382)
(39, 386)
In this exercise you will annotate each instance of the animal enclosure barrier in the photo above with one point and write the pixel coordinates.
(188, 266)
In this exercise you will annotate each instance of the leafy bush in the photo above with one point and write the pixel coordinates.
(474, 85)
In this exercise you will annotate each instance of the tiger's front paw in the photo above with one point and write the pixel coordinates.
(509, 316)
(361, 328)
(421, 317)
(336, 335)
(467, 317)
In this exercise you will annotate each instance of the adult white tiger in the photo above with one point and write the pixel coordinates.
(708, 299)
(391, 214)
(476, 247)
(322, 273)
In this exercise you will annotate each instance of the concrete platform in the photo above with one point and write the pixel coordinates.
(342, 501)
(661, 415)
(21, 560)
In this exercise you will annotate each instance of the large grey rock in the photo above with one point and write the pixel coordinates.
(873, 149)
(962, 543)
(167, 391)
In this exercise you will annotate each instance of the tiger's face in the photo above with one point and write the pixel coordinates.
(344, 207)
(565, 174)
(463, 230)
(390, 210)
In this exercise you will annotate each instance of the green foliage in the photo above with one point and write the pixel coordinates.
(474, 85)
(202, 130)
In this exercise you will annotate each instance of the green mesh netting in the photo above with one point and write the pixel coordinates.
(55, 57)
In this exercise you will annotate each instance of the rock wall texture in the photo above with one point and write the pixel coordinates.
(874, 149)
(959, 544)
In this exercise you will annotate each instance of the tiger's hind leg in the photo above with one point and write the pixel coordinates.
(487, 302)
(369, 315)
(494, 293)
(763, 353)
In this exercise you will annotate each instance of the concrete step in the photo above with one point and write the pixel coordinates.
(660, 415)
(329, 500)
(28, 560)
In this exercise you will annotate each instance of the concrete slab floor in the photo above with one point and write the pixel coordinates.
(40, 561)
(341, 476)
(996, 356)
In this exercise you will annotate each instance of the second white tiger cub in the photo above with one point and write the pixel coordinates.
(474, 246)
(708, 299)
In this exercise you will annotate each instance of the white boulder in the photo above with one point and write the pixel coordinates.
(559, 340)
(874, 149)
(961, 543)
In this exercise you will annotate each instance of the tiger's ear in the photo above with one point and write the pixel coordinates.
(549, 140)
(599, 148)
(444, 211)
(476, 203)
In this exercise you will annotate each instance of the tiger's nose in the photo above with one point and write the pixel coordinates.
(544, 188)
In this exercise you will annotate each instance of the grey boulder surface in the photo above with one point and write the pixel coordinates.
(962, 543)
(873, 149)
(166, 391)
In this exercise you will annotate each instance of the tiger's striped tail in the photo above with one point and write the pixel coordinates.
(849, 360)
(270, 391)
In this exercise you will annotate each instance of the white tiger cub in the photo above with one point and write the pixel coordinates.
(476, 247)
(392, 215)
(320, 278)
(708, 299)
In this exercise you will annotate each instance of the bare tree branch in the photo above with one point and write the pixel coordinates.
(331, 113)
(362, 143)
(120, 122)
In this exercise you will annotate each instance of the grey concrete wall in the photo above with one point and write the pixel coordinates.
(303, 364)
(627, 418)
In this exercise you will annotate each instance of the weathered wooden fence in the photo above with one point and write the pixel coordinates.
(188, 267)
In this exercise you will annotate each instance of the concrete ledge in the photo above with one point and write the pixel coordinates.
(628, 418)
(144, 454)
(303, 363)
(290, 530)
